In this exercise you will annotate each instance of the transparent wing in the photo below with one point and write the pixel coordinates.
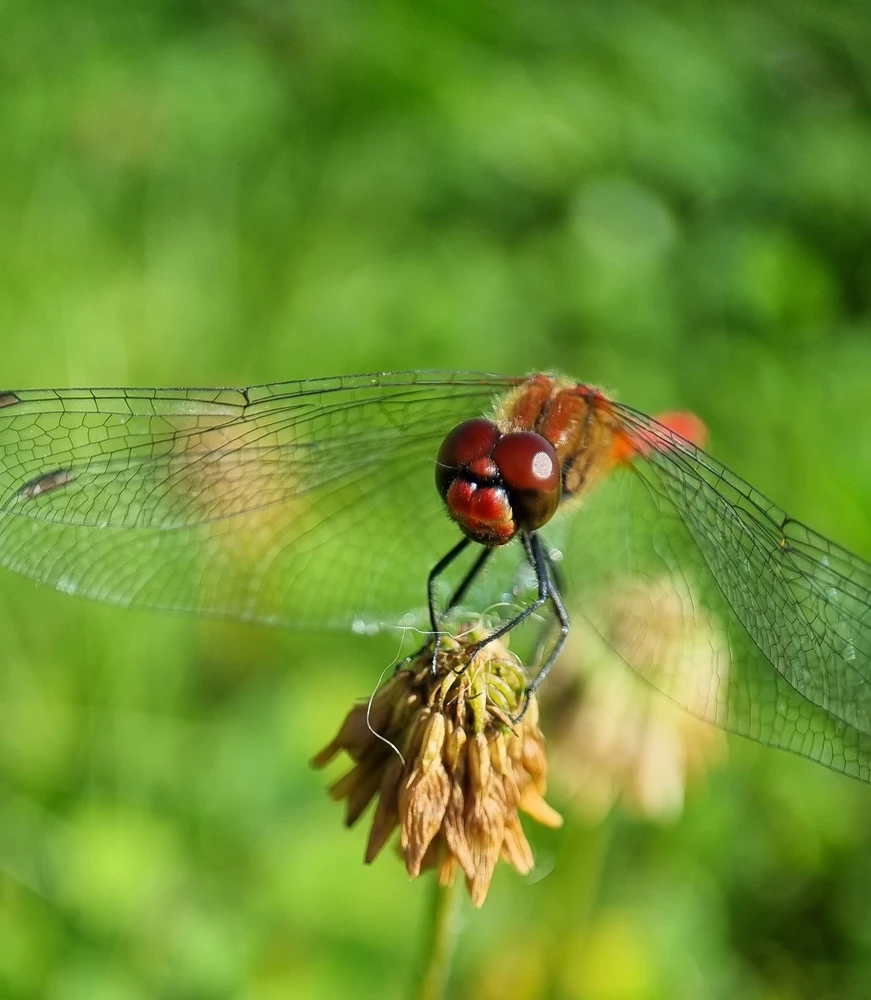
(714, 595)
(307, 502)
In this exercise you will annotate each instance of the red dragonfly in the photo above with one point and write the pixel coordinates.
(313, 503)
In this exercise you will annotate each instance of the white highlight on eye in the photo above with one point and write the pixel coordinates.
(542, 465)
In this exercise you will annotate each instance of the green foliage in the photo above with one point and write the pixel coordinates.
(669, 199)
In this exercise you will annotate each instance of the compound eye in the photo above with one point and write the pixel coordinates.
(467, 442)
(527, 461)
(530, 470)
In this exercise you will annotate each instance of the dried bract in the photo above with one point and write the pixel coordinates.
(448, 767)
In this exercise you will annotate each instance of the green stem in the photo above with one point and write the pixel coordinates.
(581, 862)
(442, 939)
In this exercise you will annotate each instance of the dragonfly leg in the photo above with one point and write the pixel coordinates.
(468, 579)
(559, 607)
(535, 554)
(547, 590)
(455, 599)
(457, 595)
(557, 584)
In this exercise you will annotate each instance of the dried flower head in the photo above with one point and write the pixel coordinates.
(618, 738)
(448, 766)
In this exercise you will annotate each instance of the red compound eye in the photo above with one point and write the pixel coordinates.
(527, 461)
(530, 472)
(465, 444)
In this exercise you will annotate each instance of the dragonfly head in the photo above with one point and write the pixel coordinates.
(495, 485)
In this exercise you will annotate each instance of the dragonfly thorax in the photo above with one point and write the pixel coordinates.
(495, 485)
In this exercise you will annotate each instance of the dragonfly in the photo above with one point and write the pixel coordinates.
(343, 502)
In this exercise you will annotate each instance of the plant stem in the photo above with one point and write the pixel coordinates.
(436, 965)
(582, 861)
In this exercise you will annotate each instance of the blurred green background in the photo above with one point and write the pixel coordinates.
(671, 200)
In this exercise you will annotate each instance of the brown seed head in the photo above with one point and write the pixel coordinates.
(465, 768)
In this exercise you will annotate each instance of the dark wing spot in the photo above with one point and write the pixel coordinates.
(8, 399)
(45, 483)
